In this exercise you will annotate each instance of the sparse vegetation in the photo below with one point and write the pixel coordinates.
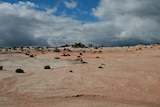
(56, 50)
(21, 48)
(90, 45)
(19, 71)
(78, 45)
(96, 47)
(14, 48)
(65, 45)
(66, 49)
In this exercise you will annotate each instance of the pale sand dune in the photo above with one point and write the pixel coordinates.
(129, 77)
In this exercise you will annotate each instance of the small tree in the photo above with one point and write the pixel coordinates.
(78, 45)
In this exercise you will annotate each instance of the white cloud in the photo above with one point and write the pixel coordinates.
(23, 23)
(137, 20)
(51, 10)
(114, 8)
(71, 4)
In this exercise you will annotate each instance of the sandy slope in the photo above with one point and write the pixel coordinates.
(130, 77)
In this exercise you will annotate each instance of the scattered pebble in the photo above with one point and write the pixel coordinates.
(71, 71)
(100, 67)
(57, 58)
(47, 67)
(97, 57)
(1, 67)
(19, 71)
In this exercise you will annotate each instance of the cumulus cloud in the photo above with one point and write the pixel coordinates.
(71, 4)
(124, 22)
(137, 21)
(22, 24)
(51, 10)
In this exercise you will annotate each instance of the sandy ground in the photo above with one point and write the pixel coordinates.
(128, 77)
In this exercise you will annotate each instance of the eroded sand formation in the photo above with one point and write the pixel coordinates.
(81, 77)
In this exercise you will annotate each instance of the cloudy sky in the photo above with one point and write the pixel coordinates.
(60, 22)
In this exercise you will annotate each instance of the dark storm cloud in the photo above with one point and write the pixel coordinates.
(15, 31)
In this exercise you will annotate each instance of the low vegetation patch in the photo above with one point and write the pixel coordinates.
(79, 45)
(57, 50)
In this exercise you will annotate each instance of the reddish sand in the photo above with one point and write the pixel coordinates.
(127, 77)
